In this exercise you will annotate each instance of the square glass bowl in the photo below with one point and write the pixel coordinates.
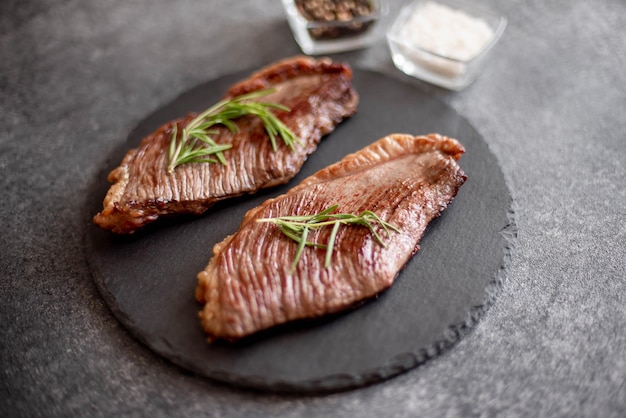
(444, 42)
(333, 30)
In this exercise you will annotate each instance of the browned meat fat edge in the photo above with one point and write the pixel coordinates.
(141, 192)
(248, 284)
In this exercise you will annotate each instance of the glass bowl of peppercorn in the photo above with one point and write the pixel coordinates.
(329, 26)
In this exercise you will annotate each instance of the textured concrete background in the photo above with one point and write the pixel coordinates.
(76, 76)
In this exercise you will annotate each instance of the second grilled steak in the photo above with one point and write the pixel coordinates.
(250, 283)
(319, 95)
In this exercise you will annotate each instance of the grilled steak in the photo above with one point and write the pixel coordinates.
(249, 284)
(319, 95)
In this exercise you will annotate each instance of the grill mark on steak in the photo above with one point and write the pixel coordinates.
(249, 285)
(319, 94)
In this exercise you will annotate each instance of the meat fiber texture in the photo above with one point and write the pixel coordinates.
(250, 285)
(318, 93)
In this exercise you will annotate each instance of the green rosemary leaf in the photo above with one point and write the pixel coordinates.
(331, 244)
(297, 228)
(301, 245)
(328, 210)
(184, 147)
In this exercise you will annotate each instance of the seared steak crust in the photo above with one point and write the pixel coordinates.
(249, 285)
(319, 94)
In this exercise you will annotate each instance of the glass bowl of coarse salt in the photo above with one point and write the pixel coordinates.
(444, 42)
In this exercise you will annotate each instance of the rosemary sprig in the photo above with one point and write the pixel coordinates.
(298, 227)
(196, 144)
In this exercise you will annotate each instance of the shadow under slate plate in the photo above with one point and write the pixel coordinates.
(148, 279)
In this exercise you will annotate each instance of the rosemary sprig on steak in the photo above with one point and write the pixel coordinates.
(298, 227)
(196, 145)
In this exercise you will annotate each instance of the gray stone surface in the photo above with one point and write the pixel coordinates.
(76, 76)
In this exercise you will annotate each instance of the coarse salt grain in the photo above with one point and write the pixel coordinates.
(447, 32)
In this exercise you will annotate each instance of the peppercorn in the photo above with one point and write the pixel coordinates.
(336, 11)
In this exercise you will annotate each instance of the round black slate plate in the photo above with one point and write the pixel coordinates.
(148, 279)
